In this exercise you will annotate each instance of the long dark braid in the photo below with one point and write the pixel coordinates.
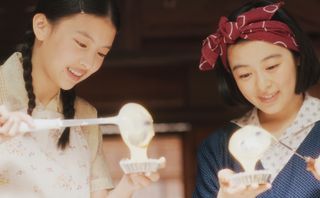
(26, 50)
(68, 98)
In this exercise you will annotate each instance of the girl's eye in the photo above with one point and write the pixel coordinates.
(272, 67)
(101, 55)
(82, 45)
(244, 76)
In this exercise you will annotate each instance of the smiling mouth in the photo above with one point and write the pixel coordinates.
(75, 72)
(269, 97)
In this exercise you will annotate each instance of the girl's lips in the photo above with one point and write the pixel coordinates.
(74, 74)
(269, 98)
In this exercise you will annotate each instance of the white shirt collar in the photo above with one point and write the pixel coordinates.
(308, 114)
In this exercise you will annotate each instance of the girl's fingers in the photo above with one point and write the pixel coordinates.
(248, 191)
(153, 176)
(311, 167)
(11, 124)
(315, 173)
(4, 114)
(223, 176)
(310, 164)
(27, 119)
(235, 190)
(6, 126)
(140, 180)
(261, 188)
(15, 127)
(243, 190)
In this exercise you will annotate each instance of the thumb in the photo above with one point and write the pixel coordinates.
(223, 176)
(4, 113)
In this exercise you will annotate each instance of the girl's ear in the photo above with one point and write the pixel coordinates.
(41, 26)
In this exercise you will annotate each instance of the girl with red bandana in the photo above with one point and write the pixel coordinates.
(264, 60)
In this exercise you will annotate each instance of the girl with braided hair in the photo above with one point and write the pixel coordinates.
(264, 60)
(66, 43)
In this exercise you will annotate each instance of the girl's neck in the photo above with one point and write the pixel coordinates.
(44, 89)
(277, 123)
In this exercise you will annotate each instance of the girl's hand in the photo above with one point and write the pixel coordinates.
(313, 165)
(140, 180)
(226, 190)
(10, 122)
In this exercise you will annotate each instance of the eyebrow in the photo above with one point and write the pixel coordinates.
(264, 59)
(271, 56)
(238, 66)
(89, 37)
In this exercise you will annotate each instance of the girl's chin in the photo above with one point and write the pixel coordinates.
(67, 87)
(271, 110)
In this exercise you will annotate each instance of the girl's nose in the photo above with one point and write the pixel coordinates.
(263, 82)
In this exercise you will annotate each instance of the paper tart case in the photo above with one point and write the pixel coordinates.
(151, 165)
(248, 178)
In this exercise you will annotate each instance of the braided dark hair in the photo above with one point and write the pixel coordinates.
(54, 10)
(26, 49)
(67, 97)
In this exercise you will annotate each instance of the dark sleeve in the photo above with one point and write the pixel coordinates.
(207, 184)
(213, 155)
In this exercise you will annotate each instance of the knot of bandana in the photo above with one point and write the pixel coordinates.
(255, 24)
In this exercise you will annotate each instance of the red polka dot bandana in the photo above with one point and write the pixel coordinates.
(255, 24)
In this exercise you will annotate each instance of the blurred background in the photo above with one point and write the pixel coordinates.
(154, 62)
